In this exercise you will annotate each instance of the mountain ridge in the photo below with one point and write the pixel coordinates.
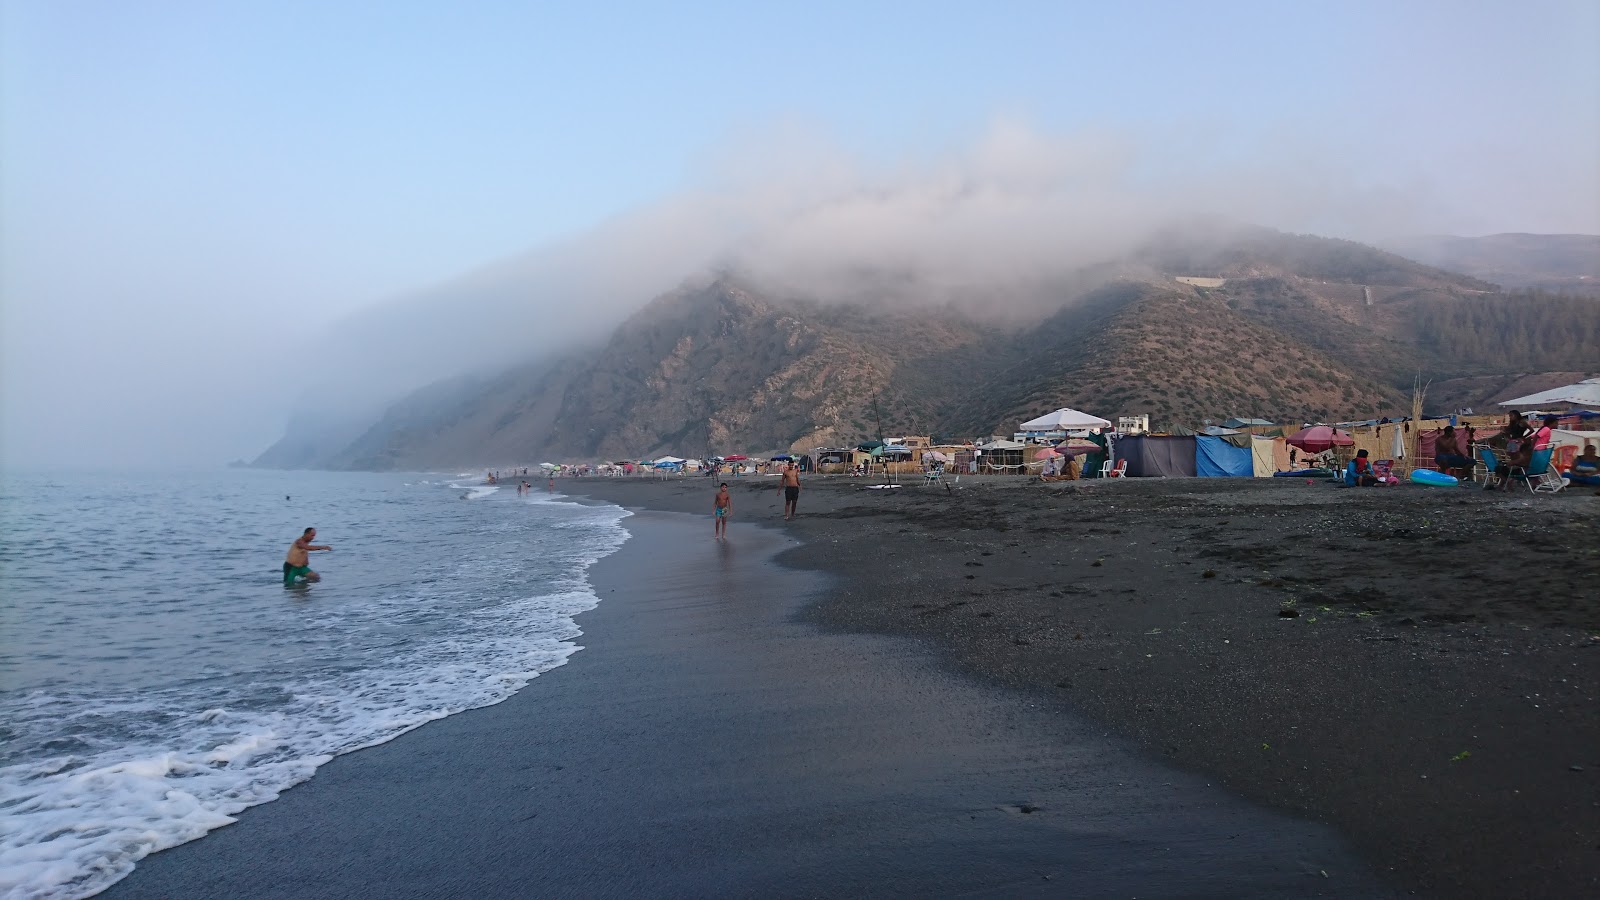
(1267, 325)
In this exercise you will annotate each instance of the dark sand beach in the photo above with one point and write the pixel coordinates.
(711, 742)
(1418, 668)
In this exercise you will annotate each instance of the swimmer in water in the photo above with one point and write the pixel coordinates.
(298, 564)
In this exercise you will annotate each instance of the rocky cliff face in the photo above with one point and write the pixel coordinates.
(1287, 328)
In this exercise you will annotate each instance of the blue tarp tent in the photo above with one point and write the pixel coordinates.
(1216, 458)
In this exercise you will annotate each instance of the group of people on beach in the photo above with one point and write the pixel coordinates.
(722, 504)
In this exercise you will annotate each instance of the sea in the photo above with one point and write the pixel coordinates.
(156, 677)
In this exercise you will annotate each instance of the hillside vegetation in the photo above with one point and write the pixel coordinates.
(1301, 328)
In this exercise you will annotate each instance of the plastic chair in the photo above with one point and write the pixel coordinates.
(933, 476)
(1118, 469)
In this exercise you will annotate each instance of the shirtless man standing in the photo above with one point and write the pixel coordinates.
(791, 489)
(298, 563)
(722, 510)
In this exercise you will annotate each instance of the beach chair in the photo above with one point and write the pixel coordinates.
(933, 476)
(1490, 464)
(1384, 469)
(1538, 463)
(1541, 476)
(1118, 469)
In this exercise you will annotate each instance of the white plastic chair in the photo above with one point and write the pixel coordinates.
(1118, 469)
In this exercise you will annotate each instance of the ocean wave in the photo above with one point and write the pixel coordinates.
(185, 760)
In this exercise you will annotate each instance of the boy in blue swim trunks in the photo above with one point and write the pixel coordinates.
(723, 509)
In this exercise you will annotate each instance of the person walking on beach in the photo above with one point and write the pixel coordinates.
(298, 563)
(722, 510)
(791, 489)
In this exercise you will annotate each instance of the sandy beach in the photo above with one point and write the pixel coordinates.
(1418, 668)
(1151, 689)
(708, 743)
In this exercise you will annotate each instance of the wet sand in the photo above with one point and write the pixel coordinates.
(1417, 667)
(706, 743)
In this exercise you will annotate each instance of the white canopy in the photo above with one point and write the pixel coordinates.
(1064, 420)
(671, 460)
(1585, 393)
(1001, 445)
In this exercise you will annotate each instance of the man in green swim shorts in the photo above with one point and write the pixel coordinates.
(298, 563)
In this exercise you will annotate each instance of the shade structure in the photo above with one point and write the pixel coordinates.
(934, 456)
(1064, 420)
(781, 457)
(869, 446)
(670, 460)
(1217, 458)
(735, 457)
(1584, 394)
(1318, 438)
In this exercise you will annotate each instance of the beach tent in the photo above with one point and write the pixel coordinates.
(1247, 423)
(1584, 394)
(1217, 458)
(1217, 430)
(1262, 459)
(1150, 456)
(1064, 420)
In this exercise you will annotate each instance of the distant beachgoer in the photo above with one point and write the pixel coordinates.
(722, 509)
(791, 489)
(298, 563)
(1359, 472)
(1545, 433)
(1448, 452)
(1517, 429)
(1586, 468)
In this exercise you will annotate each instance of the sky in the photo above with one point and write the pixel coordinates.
(205, 208)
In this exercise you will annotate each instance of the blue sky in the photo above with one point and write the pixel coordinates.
(193, 190)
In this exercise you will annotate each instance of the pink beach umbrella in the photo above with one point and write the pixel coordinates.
(1318, 438)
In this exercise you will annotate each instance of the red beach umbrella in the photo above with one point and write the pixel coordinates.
(736, 457)
(1318, 438)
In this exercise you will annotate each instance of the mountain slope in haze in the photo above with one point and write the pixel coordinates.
(1283, 327)
(1560, 263)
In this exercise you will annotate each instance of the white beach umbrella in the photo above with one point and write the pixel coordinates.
(1064, 420)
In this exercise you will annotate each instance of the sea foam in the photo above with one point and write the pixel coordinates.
(188, 758)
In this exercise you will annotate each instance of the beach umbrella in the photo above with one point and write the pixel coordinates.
(735, 457)
(935, 456)
(1048, 453)
(1318, 438)
(781, 457)
(1064, 420)
(870, 447)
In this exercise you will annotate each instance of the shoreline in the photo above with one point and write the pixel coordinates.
(1375, 660)
(705, 743)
